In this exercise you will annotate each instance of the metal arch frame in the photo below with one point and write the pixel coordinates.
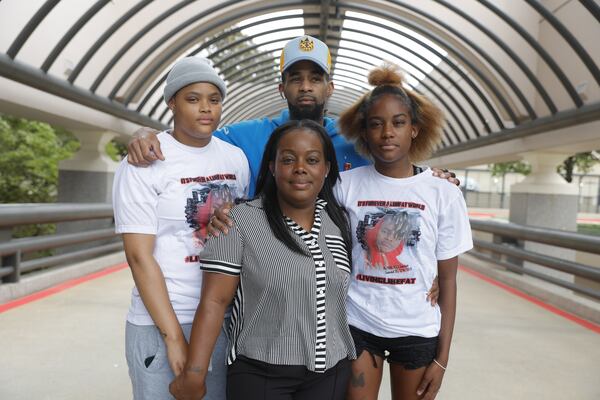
(135, 91)
(185, 44)
(592, 7)
(237, 107)
(568, 37)
(534, 85)
(480, 52)
(267, 101)
(448, 46)
(440, 99)
(558, 72)
(237, 54)
(443, 58)
(155, 87)
(463, 75)
(241, 107)
(172, 33)
(563, 119)
(324, 20)
(26, 75)
(511, 54)
(67, 37)
(141, 33)
(159, 81)
(216, 65)
(435, 67)
(33, 23)
(105, 36)
(36, 78)
(358, 94)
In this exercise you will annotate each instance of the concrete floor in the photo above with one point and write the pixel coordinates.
(70, 346)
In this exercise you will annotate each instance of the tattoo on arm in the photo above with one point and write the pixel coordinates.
(358, 380)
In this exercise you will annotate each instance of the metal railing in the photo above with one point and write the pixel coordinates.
(12, 251)
(565, 239)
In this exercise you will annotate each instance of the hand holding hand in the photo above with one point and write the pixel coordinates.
(188, 385)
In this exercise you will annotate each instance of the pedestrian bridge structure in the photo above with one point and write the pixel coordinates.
(517, 80)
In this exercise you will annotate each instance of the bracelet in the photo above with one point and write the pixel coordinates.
(439, 365)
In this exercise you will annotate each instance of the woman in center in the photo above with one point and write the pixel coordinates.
(285, 265)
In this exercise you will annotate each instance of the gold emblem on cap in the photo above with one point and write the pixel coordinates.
(306, 44)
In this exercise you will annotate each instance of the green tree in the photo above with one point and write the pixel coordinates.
(584, 162)
(29, 156)
(116, 150)
(519, 167)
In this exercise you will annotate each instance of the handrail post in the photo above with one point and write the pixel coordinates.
(12, 260)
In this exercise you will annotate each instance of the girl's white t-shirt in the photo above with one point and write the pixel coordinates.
(400, 229)
(174, 199)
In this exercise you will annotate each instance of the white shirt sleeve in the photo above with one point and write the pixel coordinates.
(454, 230)
(135, 200)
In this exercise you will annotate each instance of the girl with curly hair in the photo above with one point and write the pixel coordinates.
(395, 264)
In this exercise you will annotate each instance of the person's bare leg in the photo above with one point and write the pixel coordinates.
(405, 382)
(366, 377)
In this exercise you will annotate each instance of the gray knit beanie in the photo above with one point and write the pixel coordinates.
(191, 70)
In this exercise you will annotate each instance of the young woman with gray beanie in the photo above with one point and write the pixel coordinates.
(162, 212)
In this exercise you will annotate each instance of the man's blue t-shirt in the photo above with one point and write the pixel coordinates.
(252, 136)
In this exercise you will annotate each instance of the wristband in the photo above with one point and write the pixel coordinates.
(439, 365)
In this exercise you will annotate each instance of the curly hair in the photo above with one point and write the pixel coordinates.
(388, 80)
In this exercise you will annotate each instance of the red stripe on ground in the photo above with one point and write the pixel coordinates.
(593, 220)
(481, 214)
(60, 287)
(573, 318)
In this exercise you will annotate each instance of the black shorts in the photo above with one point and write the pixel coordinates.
(257, 380)
(411, 352)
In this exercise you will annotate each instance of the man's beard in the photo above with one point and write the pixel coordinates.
(314, 112)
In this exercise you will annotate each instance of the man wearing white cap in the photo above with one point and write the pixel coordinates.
(305, 67)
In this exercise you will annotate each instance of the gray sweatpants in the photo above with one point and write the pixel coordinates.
(149, 368)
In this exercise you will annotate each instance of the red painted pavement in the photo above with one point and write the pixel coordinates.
(580, 321)
(60, 287)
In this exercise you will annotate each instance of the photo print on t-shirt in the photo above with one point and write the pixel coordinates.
(204, 200)
(384, 235)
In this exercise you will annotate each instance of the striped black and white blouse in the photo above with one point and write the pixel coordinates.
(289, 309)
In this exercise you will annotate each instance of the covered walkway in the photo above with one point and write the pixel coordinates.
(70, 345)
(517, 80)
